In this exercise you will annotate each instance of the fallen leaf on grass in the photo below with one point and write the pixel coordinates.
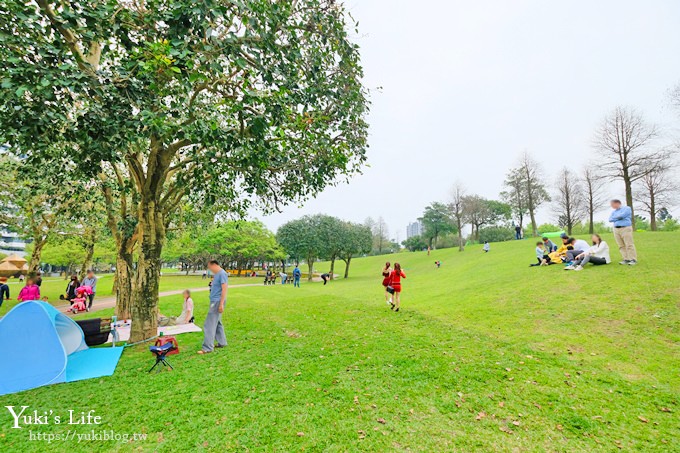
(505, 429)
(642, 419)
(664, 409)
(300, 434)
(480, 416)
(538, 406)
(356, 399)
(501, 404)
(381, 420)
(362, 434)
(559, 427)
(516, 423)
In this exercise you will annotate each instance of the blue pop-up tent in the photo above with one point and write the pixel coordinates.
(41, 346)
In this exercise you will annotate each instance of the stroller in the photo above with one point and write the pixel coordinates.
(80, 301)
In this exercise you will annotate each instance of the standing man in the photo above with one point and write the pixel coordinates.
(213, 328)
(622, 219)
(297, 273)
(518, 232)
(91, 281)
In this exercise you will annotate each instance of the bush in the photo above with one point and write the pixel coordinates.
(496, 234)
(447, 241)
(598, 227)
(548, 228)
(669, 225)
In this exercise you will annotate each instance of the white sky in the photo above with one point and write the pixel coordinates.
(468, 85)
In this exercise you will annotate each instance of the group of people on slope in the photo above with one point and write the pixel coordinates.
(576, 253)
(392, 284)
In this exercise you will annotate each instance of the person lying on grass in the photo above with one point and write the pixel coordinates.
(598, 254)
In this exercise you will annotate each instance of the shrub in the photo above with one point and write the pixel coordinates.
(496, 234)
(669, 224)
(548, 228)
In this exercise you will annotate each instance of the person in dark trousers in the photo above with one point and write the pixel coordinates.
(71, 288)
(518, 232)
(297, 274)
(4, 290)
(91, 281)
(325, 278)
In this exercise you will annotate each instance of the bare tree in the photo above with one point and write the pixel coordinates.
(593, 195)
(534, 189)
(457, 211)
(569, 204)
(657, 190)
(623, 144)
(515, 196)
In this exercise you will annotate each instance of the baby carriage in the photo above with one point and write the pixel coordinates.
(80, 301)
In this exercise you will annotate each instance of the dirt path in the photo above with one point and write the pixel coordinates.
(100, 303)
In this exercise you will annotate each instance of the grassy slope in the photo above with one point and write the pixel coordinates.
(546, 359)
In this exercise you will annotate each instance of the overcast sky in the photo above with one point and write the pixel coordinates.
(466, 86)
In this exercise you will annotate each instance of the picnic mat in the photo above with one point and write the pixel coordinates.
(124, 330)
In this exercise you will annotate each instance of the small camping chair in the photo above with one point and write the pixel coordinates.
(160, 352)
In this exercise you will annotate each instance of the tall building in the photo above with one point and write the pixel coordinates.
(414, 229)
(12, 244)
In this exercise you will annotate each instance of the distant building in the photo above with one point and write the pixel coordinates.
(414, 229)
(12, 244)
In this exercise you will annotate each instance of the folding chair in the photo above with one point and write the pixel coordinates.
(160, 352)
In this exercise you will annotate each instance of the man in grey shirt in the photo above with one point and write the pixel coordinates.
(213, 330)
(91, 281)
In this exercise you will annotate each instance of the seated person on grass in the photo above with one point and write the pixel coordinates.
(186, 317)
(579, 246)
(549, 245)
(598, 254)
(559, 255)
(542, 257)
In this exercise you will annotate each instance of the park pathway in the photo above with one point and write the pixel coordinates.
(100, 303)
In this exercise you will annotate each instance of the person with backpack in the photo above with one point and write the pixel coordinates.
(395, 286)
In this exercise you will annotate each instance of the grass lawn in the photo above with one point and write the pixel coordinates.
(487, 354)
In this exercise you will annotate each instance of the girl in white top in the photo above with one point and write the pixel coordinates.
(187, 309)
(597, 254)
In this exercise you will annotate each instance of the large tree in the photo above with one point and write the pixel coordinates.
(301, 240)
(535, 192)
(215, 101)
(457, 211)
(356, 239)
(515, 195)
(478, 211)
(658, 188)
(593, 194)
(436, 221)
(623, 145)
(569, 203)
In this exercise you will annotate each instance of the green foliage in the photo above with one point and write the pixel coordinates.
(496, 234)
(242, 243)
(301, 239)
(436, 221)
(548, 228)
(415, 243)
(580, 229)
(670, 224)
(641, 224)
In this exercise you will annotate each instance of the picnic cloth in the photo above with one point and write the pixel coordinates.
(123, 330)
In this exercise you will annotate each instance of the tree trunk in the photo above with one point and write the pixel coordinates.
(90, 239)
(34, 263)
(123, 284)
(629, 197)
(532, 216)
(591, 218)
(332, 267)
(310, 268)
(347, 261)
(652, 212)
(461, 246)
(144, 307)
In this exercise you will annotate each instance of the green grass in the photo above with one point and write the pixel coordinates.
(486, 355)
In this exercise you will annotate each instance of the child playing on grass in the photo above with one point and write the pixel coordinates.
(487, 247)
(29, 292)
(4, 290)
(542, 257)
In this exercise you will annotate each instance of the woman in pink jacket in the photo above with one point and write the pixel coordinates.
(29, 292)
